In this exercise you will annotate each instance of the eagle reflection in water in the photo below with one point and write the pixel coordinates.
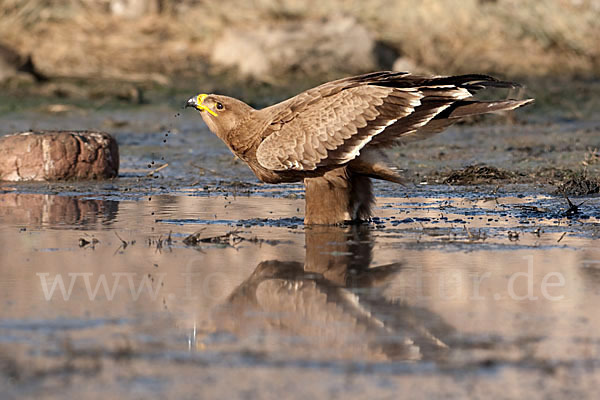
(331, 307)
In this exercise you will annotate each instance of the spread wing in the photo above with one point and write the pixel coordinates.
(330, 124)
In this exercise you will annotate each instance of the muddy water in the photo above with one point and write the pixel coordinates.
(451, 291)
(105, 292)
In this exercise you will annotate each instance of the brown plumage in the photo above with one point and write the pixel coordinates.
(331, 136)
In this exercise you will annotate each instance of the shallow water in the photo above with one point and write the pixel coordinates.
(449, 292)
(106, 291)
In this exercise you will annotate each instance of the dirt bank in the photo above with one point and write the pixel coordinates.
(164, 40)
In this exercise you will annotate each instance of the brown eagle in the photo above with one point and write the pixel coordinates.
(332, 136)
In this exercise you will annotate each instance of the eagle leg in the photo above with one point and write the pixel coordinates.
(338, 196)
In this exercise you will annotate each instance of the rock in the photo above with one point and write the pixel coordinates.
(313, 48)
(58, 155)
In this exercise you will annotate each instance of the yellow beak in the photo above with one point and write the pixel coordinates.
(197, 103)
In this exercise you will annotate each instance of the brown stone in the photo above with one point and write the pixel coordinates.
(58, 155)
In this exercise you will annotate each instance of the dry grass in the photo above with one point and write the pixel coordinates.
(511, 37)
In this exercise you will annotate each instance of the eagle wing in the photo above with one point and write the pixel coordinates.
(330, 124)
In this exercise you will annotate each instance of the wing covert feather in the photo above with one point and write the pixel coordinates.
(330, 124)
(332, 130)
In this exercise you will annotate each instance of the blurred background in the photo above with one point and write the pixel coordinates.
(264, 50)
